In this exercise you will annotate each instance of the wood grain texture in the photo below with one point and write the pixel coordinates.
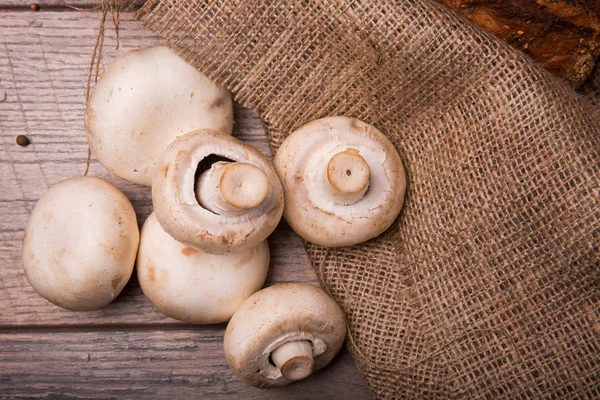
(134, 351)
(147, 365)
(63, 4)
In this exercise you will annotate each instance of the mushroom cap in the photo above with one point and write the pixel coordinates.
(274, 316)
(191, 285)
(80, 243)
(178, 210)
(311, 206)
(143, 101)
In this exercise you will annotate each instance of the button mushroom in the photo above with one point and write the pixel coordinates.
(80, 243)
(191, 285)
(143, 101)
(233, 203)
(343, 181)
(282, 334)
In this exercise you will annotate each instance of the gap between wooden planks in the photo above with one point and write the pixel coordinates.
(126, 349)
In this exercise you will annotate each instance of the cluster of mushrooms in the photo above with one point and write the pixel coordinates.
(202, 255)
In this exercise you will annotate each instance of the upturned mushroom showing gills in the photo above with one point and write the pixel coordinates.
(282, 334)
(143, 101)
(216, 193)
(190, 285)
(80, 243)
(343, 181)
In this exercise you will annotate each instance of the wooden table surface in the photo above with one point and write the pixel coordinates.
(127, 349)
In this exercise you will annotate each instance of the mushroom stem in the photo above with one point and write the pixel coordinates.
(294, 359)
(229, 188)
(349, 175)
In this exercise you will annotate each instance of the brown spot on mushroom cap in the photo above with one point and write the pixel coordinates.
(217, 102)
(108, 248)
(151, 272)
(116, 281)
(188, 251)
(244, 261)
(357, 124)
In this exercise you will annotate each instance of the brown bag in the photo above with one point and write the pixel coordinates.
(488, 284)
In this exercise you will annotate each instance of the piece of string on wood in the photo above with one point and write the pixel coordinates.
(112, 6)
(72, 7)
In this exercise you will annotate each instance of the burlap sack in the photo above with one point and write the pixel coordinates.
(488, 284)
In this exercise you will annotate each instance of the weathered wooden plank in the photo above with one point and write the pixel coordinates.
(168, 364)
(45, 5)
(43, 69)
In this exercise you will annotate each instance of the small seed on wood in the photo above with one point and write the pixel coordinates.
(22, 140)
(35, 7)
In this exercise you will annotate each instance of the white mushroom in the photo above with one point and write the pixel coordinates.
(283, 334)
(234, 204)
(143, 101)
(80, 243)
(343, 181)
(191, 285)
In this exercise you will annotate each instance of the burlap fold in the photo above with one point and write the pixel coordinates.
(488, 284)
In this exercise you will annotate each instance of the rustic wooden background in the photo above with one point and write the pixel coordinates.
(127, 349)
